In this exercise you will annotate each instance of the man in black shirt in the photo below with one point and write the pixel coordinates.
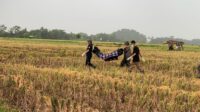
(89, 54)
(136, 56)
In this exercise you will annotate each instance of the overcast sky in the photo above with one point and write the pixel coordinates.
(180, 18)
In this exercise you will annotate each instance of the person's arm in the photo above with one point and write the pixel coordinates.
(83, 54)
(140, 54)
(132, 55)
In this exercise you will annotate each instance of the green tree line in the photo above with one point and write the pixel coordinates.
(44, 33)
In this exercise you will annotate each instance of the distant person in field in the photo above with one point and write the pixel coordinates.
(136, 56)
(127, 54)
(89, 54)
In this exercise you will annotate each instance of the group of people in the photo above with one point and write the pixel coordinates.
(135, 55)
(129, 54)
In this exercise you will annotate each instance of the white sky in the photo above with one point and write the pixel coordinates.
(180, 18)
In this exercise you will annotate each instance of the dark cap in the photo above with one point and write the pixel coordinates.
(133, 42)
(89, 41)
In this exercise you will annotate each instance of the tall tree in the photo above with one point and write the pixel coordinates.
(3, 30)
(15, 30)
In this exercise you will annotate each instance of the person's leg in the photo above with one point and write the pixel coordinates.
(128, 65)
(89, 62)
(91, 65)
(122, 63)
(139, 67)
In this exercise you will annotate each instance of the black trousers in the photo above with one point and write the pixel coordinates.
(137, 64)
(125, 62)
(88, 61)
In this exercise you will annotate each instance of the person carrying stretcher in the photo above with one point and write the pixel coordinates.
(136, 56)
(127, 54)
(88, 54)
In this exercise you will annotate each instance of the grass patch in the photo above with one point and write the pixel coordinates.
(5, 108)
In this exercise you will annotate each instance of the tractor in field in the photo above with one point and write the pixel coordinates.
(178, 45)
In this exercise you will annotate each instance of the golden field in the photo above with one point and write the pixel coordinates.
(50, 76)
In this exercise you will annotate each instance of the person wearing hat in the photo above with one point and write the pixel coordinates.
(127, 54)
(88, 54)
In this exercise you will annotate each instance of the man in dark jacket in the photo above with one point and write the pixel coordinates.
(127, 54)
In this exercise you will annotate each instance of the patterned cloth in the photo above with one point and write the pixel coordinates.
(106, 56)
(110, 56)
